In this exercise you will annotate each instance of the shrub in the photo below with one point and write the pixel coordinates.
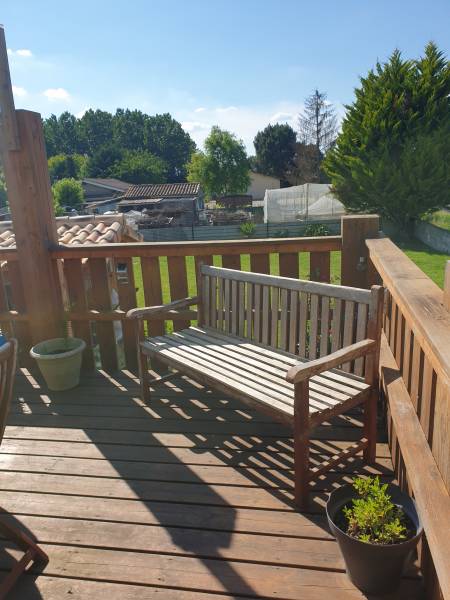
(316, 230)
(67, 192)
(247, 229)
(373, 517)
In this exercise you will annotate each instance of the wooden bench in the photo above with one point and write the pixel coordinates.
(275, 343)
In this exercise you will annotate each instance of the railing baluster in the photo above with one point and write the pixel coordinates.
(101, 300)
(178, 284)
(231, 261)
(289, 264)
(22, 329)
(151, 281)
(260, 263)
(126, 289)
(319, 266)
(76, 288)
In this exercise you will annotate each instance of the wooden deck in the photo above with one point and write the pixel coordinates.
(188, 498)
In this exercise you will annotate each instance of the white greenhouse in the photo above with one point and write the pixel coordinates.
(307, 202)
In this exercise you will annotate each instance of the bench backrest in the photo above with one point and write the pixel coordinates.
(307, 318)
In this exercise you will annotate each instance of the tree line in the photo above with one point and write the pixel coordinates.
(391, 156)
(129, 145)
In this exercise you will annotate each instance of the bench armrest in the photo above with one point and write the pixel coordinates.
(150, 311)
(303, 371)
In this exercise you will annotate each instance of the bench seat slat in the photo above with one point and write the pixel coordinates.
(241, 352)
(226, 355)
(249, 374)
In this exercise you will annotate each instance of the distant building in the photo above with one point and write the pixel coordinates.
(260, 183)
(181, 203)
(102, 194)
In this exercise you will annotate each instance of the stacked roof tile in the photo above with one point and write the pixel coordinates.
(82, 231)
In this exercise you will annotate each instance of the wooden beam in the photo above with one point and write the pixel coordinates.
(430, 493)
(447, 286)
(31, 205)
(355, 230)
(419, 300)
(214, 247)
(9, 133)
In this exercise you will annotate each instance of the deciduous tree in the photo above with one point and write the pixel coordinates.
(223, 167)
(62, 166)
(67, 192)
(165, 138)
(275, 150)
(140, 167)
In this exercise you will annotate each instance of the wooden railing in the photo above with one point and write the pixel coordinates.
(415, 370)
(102, 282)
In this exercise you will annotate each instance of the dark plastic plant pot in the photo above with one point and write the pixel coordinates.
(373, 568)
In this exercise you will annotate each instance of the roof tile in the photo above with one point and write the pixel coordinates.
(161, 190)
(72, 233)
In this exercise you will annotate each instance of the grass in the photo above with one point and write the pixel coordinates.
(430, 261)
(335, 269)
(441, 219)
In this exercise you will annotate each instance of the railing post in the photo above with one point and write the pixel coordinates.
(31, 205)
(447, 286)
(355, 229)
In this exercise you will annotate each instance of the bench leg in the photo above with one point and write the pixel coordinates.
(370, 427)
(144, 377)
(301, 446)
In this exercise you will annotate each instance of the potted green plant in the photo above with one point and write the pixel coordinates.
(377, 528)
(59, 360)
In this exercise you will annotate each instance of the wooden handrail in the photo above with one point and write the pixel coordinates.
(419, 299)
(229, 247)
(430, 493)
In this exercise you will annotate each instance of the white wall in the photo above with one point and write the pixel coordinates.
(260, 183)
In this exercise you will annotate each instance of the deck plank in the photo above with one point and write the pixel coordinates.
(186, 498)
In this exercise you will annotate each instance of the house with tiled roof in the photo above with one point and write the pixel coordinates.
(182, 203)
(101, 194)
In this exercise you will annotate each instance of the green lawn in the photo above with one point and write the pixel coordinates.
(335, 267)
(441, 218)
(430, 261)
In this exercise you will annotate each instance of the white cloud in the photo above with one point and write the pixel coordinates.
(244, 120)
(227, 109)
(200, 109)
(20, 92)
(282, 117)
(57, 95)
(194, 126)
(81, 112)
(24, 52)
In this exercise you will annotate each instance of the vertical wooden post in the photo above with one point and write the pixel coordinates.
(355, 229)
(30, 200)
(9, 138)
(447, 286)
(301, 445)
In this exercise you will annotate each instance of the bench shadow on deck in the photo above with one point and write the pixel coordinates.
(189, 497)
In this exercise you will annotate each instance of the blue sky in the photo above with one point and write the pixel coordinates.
(238, 64)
